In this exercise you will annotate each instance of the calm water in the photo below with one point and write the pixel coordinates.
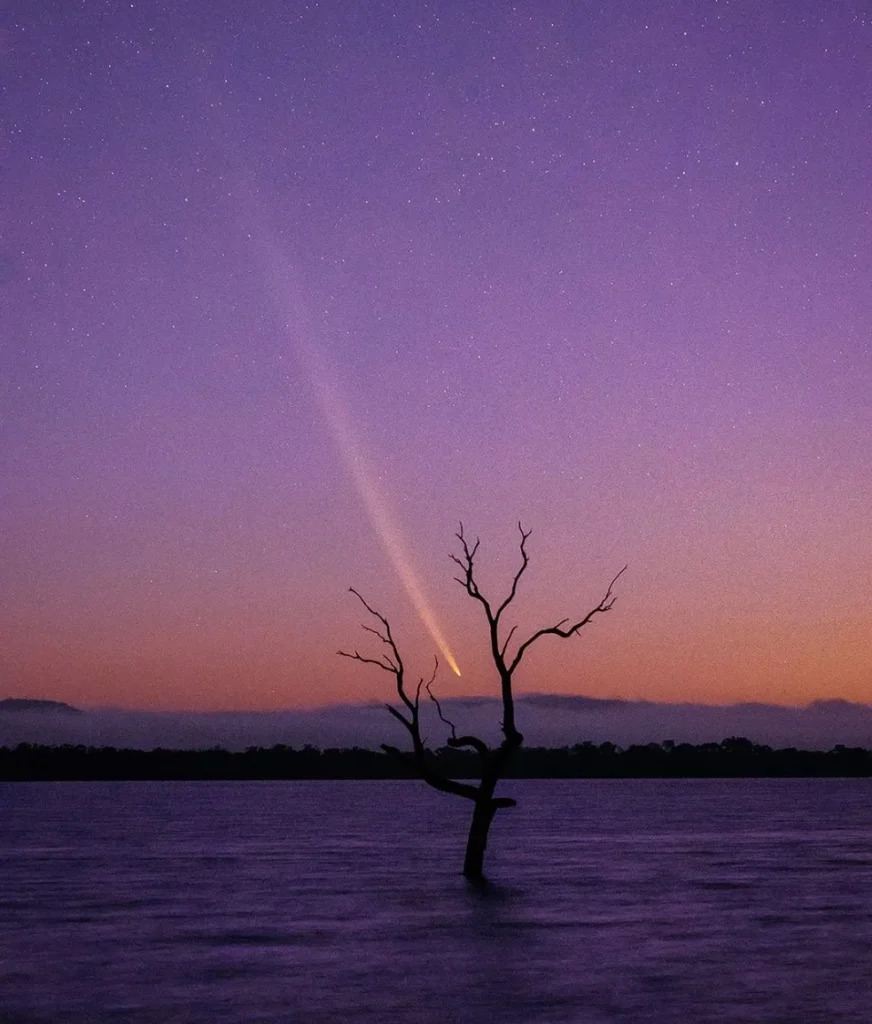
(615, 901)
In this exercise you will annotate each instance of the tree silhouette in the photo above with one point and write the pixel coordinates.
(493, 760)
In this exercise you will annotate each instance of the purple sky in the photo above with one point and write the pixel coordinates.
(283, 283)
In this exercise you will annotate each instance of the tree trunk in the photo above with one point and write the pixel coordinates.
(476, 844)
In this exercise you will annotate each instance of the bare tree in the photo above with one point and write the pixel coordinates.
(493, 760)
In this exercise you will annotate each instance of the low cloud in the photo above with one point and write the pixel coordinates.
(545, 719)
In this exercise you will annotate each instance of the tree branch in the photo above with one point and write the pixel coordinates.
(440, 782)
(498, 649)
(435, 700)
(525, 561)
(479, 746)
(375, 632)
(394, 665)
(384, 663)
(605, 604)
(400, 717)
(505, 646)
(467, 567)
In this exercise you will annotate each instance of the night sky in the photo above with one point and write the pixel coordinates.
(289, 289)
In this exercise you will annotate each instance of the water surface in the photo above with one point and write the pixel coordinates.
(612, 900)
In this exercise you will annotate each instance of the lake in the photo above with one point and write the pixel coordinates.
(611, 900)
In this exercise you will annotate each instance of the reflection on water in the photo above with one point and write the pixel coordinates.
(654, 901)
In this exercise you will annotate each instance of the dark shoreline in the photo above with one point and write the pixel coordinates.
(732, 758)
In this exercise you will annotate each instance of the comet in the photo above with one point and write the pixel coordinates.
(324, 385)
(387, 531)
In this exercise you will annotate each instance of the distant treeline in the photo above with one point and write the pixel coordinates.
(733, 758)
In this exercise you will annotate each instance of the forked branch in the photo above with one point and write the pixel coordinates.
(466, 564)
(393, 664)
(562, 630)
(504, 663)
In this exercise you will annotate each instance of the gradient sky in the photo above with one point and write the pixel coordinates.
(284, 285)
